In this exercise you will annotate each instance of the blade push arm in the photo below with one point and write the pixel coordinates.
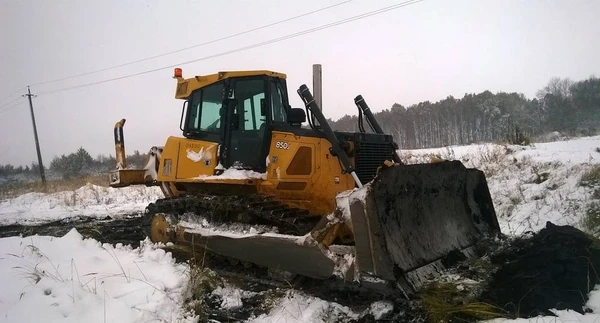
(336, 148)
(362, 105)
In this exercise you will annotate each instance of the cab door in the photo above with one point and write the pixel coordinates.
(248, 123)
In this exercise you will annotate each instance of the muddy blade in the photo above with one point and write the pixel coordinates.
(278, 252)
(274, 253)
(416, 215)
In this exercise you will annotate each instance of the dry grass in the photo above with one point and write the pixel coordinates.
(447, 302)
(591, 177)
(591, 220)
(13, 189)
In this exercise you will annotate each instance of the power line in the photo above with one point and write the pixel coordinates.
(9, 102)
(275, 40)
(13, 93)
(10, 107)
(194, 46)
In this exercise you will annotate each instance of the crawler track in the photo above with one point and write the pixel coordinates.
(227, 209)
(133, 228)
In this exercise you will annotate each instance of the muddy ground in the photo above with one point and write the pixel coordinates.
(528, 276)
(555, 268)
(124, 229)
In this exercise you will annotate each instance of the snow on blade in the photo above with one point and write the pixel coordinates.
(200, 225)
(89, 200)
(70, 279)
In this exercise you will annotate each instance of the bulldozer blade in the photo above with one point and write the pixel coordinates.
(411, 219)
(295, 254)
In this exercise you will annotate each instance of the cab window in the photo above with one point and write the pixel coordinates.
(251, 94)
(205, 109)
(278, 110)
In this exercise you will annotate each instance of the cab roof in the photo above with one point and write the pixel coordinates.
(185, 87)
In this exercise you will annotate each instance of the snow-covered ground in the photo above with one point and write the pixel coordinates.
(89, 200)
(81, 280)
(69, 279)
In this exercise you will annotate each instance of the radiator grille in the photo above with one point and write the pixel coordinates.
(369, 156)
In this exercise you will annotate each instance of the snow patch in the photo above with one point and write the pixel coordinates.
(231, 298)
(299, 307)
(69, 279)
(89, 200)
(380, 309)
(232, 173)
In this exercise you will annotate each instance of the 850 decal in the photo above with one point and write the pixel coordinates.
(282, 145)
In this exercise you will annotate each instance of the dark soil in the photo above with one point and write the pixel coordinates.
(555, 268)
(125, 229)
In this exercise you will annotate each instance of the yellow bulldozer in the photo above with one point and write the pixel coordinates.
(251, 180)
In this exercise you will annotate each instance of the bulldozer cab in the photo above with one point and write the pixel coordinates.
(239, 114)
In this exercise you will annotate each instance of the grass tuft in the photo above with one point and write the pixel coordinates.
(449, 302)
(591, 220)
(591, 177)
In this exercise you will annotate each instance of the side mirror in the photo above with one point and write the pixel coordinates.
(296, 116)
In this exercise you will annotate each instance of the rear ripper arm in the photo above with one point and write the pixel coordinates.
(123, 176)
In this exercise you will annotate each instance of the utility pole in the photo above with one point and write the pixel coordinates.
(37, 142)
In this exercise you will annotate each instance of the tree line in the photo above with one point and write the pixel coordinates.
(565, 106)
(75, 164)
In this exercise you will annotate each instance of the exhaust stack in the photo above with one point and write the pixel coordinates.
(317, 89)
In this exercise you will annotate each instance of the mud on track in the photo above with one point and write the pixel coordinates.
(125, 229)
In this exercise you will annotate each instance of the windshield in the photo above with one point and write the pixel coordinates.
(204, 113)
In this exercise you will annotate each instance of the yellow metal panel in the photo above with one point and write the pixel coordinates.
(324, 182)
(184, 158)
(169, 154)
(185, 87)
(196, 158)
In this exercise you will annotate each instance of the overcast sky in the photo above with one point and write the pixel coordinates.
(424, 51)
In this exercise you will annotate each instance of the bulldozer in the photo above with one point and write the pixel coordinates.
(254, 180)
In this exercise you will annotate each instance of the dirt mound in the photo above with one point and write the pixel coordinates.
(555, 268)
